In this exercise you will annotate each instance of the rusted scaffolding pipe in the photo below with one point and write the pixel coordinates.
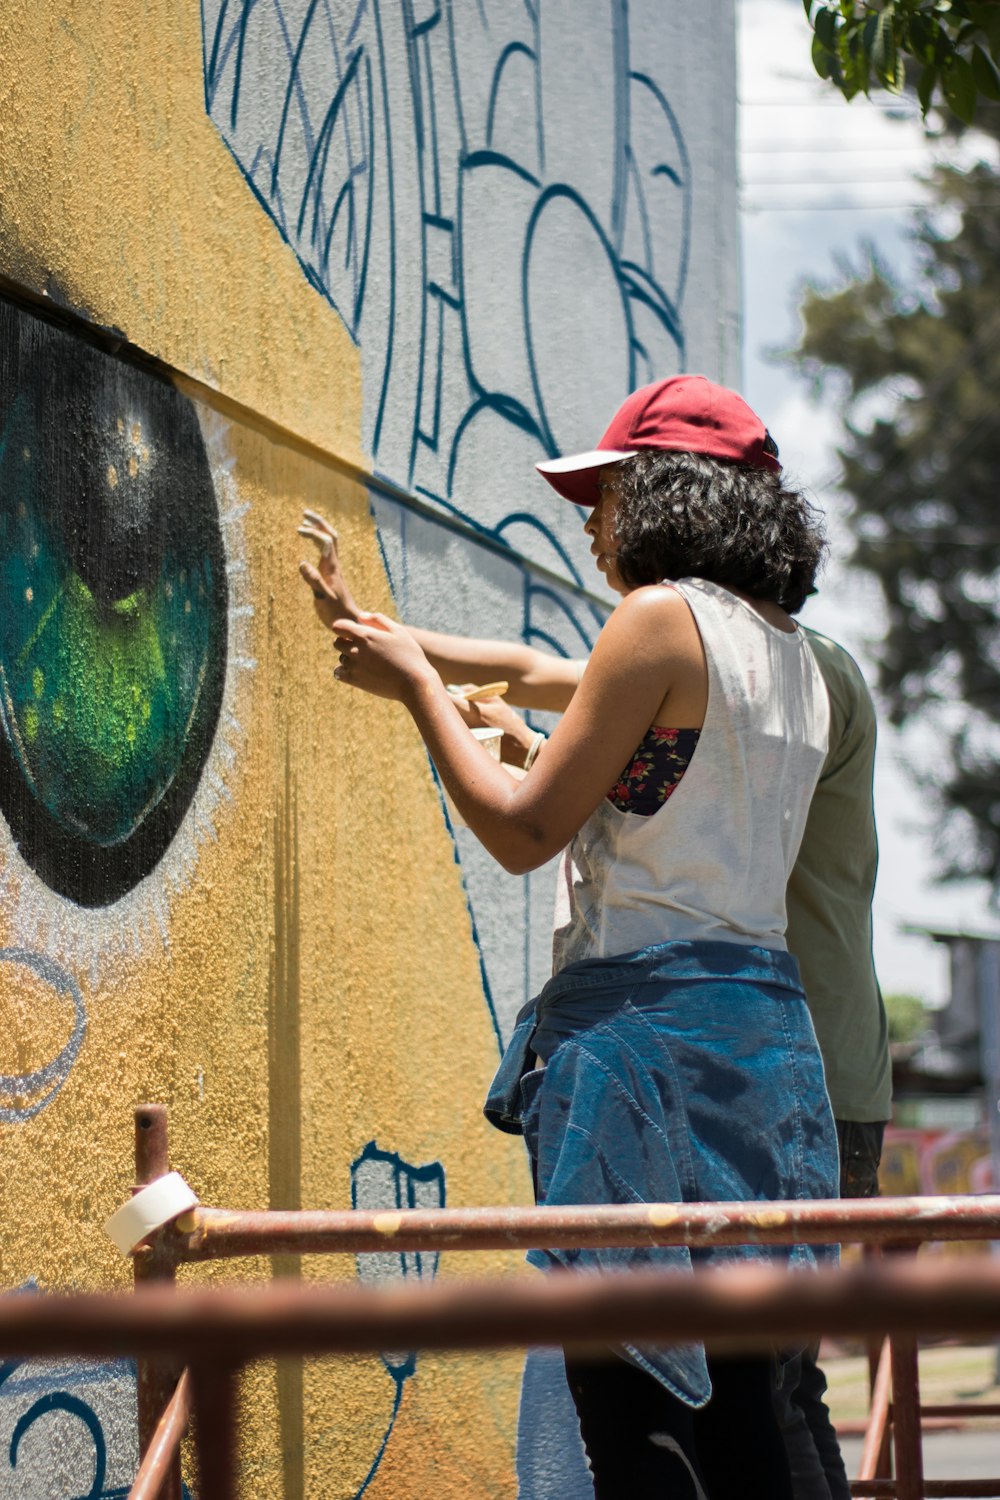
(907, 1446)
(215, 1431)
(163, 1450)
(948, 1410)
(215, 1233)
(878, 1418)
(735, 1308)
(210, 1234)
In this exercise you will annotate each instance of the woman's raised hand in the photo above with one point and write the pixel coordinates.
(379, 656)
(330, 589)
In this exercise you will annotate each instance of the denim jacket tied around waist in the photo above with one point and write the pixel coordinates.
(685, 1072)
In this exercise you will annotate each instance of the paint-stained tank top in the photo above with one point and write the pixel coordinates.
(714, 861)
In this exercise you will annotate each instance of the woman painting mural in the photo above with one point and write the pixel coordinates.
(671, 1056)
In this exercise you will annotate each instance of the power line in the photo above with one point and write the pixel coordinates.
(830, 179)
(860, 179)
(822, 148)
(899, 109)
(849, 205)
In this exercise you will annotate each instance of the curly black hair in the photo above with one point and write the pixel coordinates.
(682, 515)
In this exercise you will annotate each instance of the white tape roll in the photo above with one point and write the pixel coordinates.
(149, 1210)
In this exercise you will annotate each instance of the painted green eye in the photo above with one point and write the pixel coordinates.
(113, 610)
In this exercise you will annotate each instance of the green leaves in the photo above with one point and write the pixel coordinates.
(925, 88)
(885, 56)
(823, 60)
(959, 84)
(985, 73)
(825, 27)
(861, 44)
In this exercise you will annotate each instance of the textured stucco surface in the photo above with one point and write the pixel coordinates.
(316, 972)
(345, 912)
(118, 197)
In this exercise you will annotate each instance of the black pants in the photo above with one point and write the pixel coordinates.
(818, 1471)
(644, 1444)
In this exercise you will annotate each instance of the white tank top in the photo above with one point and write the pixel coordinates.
(713, 862)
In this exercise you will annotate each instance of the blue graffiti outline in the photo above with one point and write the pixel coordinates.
(512, 49)
(662, 169)
(560, 190)
(402, 1171)
(397, 1401)
(215, 61)
(390, 188)
(92, 1373)
(58, 1070)
(541, 591)
(414, 70)
(535, 16)
(294, 85)
(620, 69)
(64, 1401)
(637, 283)
(472, 161)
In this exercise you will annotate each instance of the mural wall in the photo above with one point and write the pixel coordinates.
(375, 257)
(499, 202)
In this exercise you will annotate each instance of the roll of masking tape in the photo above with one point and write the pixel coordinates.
(151, 1208)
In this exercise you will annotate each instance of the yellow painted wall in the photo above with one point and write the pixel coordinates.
(118, 196)
(310, 982)
(318, 988)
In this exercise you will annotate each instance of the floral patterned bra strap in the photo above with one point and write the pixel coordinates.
(655, 770)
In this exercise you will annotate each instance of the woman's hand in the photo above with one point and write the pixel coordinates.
(494, 713)
(332, 596)
(380, 656)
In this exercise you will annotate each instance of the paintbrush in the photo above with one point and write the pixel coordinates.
(472, 694)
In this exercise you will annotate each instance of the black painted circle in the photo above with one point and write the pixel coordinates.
(113, 610)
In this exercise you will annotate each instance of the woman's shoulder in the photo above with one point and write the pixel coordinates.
(653, 621)
(651, 602)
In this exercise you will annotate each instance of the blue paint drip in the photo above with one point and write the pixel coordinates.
(397, 1402)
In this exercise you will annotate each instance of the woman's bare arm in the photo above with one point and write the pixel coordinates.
(650, 636)
(536, 679)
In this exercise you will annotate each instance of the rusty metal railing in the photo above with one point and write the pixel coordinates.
(215, 1332)
(177, 1337)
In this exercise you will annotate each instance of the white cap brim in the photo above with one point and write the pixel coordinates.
(575, 477)
(597, 458)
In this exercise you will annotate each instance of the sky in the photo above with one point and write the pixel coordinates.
(821, 178)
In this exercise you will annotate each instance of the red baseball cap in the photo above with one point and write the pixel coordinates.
(685, 414)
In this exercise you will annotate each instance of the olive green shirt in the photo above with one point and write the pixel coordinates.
(830, 896)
